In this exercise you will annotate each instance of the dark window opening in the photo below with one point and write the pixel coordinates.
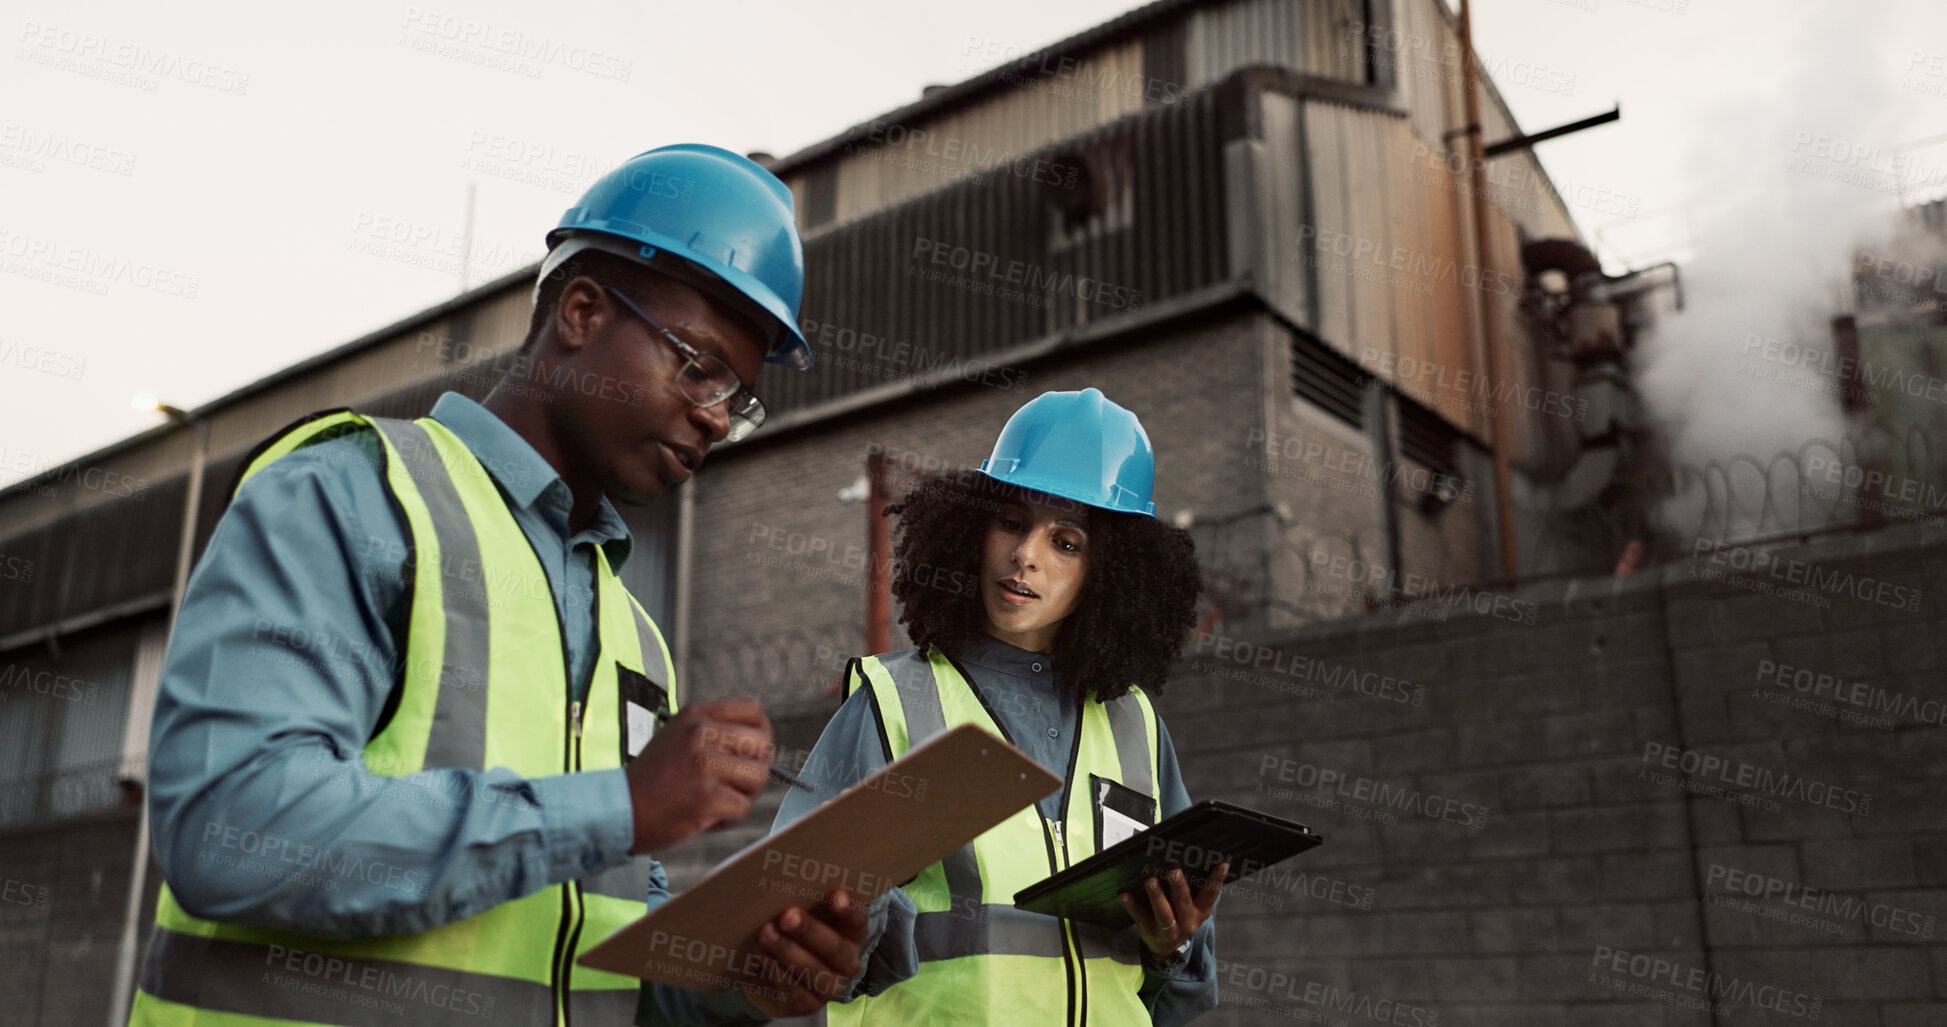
(1427, 439)
(1328, 381)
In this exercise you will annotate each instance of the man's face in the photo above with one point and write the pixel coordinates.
(620, 410)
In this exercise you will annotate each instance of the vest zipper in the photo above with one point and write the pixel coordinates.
(1050, 831)
(573, 906)
(561, 967)
(1071, 945)
(571, 892)
(563, 943)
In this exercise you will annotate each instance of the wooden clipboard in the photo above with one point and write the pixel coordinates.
(874, 836)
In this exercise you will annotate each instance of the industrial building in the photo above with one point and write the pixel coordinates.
(1252, 222)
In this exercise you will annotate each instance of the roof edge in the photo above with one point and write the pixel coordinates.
(364, 342)
(992, 80)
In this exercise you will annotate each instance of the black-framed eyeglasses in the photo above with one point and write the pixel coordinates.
(705, 379)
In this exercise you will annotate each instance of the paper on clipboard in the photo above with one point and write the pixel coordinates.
(875, 835)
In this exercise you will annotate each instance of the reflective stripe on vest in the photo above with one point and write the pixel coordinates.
(482, 684)
(981, 959)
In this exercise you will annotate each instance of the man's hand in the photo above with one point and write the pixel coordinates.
(699, 773)
(1168, 917)
(813, 956)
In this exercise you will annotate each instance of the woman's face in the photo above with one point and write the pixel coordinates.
(1032, 566)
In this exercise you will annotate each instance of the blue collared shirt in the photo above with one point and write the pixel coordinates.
(282, 661)
(1042, 718)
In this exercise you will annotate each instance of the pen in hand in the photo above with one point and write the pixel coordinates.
(778, 773)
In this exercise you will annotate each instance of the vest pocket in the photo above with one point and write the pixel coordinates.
(1120, 811)
(642, 704)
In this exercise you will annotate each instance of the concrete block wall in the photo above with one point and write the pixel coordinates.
(1639, 853)
(1329, 559)
(63, 890)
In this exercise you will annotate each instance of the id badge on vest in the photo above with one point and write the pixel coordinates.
(643, 703)
(1120, 811)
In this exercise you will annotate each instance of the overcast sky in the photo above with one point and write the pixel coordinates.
(238, 163)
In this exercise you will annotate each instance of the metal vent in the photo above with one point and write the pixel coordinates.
(1328, 381)
(1427, 439)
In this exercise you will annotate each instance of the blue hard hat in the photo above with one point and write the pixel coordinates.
(1080, 446)
(709, 209)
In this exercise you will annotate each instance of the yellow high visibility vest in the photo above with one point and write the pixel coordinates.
(484, 684)
(981, 960)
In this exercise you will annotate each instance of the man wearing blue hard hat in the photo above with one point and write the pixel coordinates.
(1047, 604)
(404, 765)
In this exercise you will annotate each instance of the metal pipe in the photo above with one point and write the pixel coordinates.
(1379, 428)
(878, 541)
(685, 571)
(124, 980)
(1522, 142)
(1477, 165)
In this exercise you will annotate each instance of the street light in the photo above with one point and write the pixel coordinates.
(142, 701)
(186, 542)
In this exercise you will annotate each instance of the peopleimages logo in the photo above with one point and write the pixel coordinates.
(882, 357)
(253, 851)
(1399, 266)
(1419, 589)
(374, 984)
(1848, 375)
(93, 267)
(1386, 795)
(1648, 970)
(1816, 901)
(1800, 572)
(1274, 991)
(1751, 776)
(1344, 461)
(1296, 667)
(1399, 368)
(67, 149)
(988, 273)
(452, 35)
(121, 61)
(20, 893)
(1870, 698)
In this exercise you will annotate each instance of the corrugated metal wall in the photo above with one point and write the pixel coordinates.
(1423, 50)
(61, 735)
(1363, 203)
(1160, 233)
(1061, 97)
(1317, 37)
(101, 556)
(902, 161)
(1397, 274)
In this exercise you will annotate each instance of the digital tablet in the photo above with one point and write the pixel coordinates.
(1194, 841)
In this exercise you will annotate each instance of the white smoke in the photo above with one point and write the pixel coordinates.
(1790, 179)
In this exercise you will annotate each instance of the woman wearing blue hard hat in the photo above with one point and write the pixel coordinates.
(1048, 603)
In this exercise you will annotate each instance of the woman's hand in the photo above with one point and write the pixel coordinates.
(814, 955)
(1168, 916)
